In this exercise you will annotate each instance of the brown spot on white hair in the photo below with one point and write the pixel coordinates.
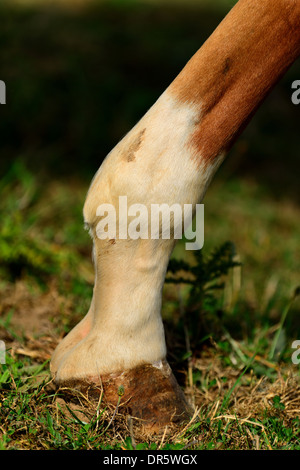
(129, 154)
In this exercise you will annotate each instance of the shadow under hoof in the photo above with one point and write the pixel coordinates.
(148, 392)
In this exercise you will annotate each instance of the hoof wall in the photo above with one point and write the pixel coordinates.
(148, 392)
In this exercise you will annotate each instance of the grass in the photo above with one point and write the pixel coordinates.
(35, 416)
(230, 347)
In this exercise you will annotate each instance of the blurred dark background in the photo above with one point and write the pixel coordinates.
(79, 78)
